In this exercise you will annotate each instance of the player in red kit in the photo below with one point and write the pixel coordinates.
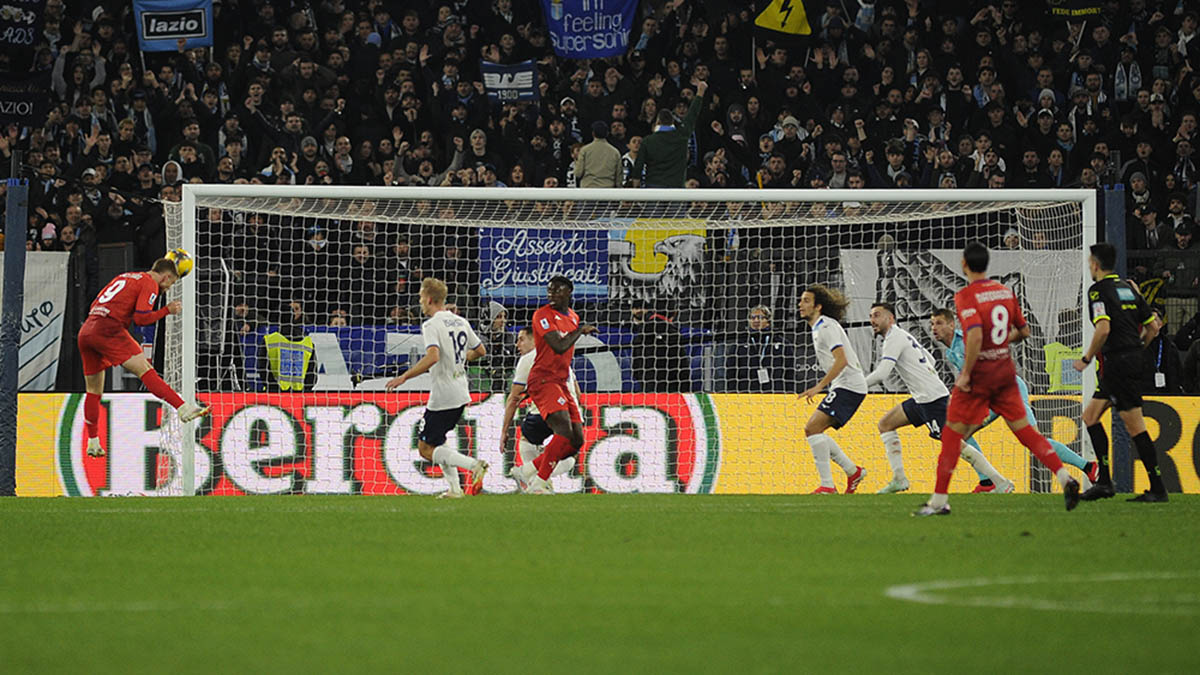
(556, 328)
(104, 341)
(991, 318)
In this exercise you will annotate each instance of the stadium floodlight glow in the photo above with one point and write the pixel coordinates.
(705, 408)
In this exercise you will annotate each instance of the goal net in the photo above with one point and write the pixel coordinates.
(305, 302)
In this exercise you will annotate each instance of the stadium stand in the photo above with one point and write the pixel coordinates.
(893, 93)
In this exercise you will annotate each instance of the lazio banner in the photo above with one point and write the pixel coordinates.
(41, 318)
(588, 29)
(162, 23)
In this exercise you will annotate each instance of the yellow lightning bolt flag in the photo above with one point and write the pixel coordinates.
(785, 16)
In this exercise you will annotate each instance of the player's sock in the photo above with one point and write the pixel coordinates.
(1149, 457)
(563, 466)
(938, 499)
(891, 443)
(91, 414)
(839, 457)
(820, 449)
(951, 449)
(556, 449)
(971, 455)
(444, 455)
(982, 476)
(451, 475)
(1068, 455)
(1100, 446)
(155, 384)
(528, 451)
(1040, 447)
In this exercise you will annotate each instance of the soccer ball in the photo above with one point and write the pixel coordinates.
(183, 261)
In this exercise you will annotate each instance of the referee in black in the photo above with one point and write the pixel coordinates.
(1124, 325)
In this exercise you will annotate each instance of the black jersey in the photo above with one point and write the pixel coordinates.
(1125, 309)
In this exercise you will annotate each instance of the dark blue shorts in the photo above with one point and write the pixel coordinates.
(535, 430)
(932, 414)
(437, 423)
(841, 404)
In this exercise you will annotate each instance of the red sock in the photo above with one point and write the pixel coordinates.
(91, 414)
(555, 450)
(155, 384)
(951, 449)
(1040, 447)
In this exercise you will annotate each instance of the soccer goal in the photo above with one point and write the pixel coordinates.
(304, 303)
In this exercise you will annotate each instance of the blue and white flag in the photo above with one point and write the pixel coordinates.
(518, 82)
(160, 24)
(589, 29)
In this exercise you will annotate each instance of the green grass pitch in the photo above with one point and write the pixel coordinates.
(613, 584)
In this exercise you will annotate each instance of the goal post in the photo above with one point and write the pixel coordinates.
(670, 276)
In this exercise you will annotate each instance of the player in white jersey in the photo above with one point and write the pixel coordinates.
(927, 407)
(450, 343)
(822, 308)
(534, 430)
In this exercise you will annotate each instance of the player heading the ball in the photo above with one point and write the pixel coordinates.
(991, 318)
(450, 343)
(104, 339)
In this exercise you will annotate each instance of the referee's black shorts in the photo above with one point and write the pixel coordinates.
(1121, 379)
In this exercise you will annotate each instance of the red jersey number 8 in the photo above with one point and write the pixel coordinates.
(999, 324)
(111, 292)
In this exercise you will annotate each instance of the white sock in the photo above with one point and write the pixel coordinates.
(563, 466)
(820, 449)
(937, 501)
(528, 451)
(451, 475)
(891, 443)
(981, 464)
(1062, 476)
(444, 455)
(839, 457)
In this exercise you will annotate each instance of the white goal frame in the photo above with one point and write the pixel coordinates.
(191, 191)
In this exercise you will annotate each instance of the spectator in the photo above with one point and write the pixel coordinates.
(659, 359)
(664, 154)
(599, 163)
(1163, 371)
(763, 360)
(501, 348)
(1146, 233)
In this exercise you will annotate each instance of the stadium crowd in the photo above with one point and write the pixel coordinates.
(887, 94)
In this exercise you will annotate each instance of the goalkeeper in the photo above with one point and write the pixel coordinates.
(944, 331)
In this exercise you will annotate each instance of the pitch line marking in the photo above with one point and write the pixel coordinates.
(930, 593)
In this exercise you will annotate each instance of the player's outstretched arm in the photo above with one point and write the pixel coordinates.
(1016, 335)
(839, 364)
(510, 411)
(1099, 337)
(561, 343)
(972, 344)
(419, 368)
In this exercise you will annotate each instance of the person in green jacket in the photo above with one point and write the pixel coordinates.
(664, 153)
